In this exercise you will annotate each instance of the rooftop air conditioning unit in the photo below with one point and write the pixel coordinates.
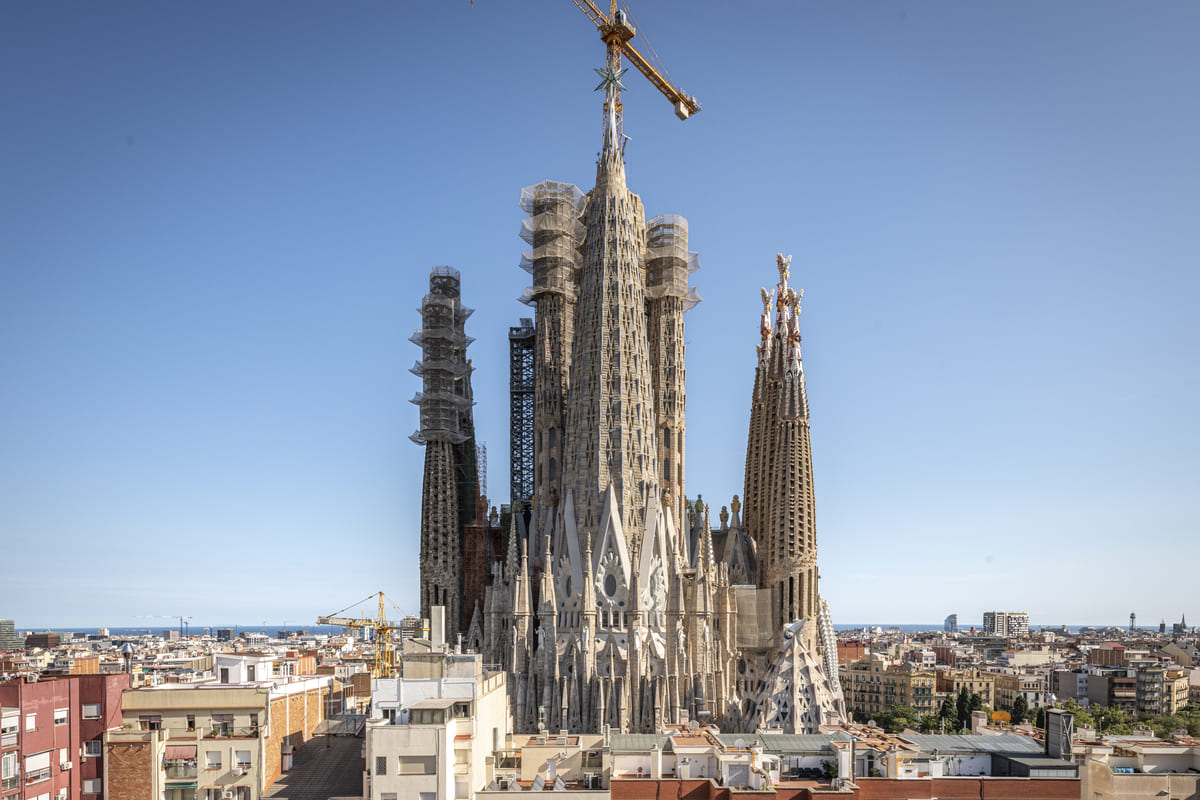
(239, 771)
(65, 765)
(502, 782)
(227, 795)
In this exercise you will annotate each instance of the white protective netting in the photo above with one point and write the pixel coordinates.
(668, 260)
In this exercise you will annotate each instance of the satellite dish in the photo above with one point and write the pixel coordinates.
(740, 744)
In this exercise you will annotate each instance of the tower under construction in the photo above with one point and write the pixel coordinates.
(450, 488)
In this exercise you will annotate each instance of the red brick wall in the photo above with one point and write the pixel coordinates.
(969, 789)
(672, 789)
(130, 767)
(292, 723)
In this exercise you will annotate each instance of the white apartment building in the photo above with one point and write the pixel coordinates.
(1006, 624)
(432, 734)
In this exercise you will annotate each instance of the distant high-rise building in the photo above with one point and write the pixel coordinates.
(8, 636)
(952, 623)
(1006, 624)
(47, 640)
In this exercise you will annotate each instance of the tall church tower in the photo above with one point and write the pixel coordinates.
(450, 486)
(779, 486)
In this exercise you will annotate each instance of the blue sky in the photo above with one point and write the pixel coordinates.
(219, 218)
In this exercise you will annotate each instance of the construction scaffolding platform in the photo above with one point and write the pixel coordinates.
(520, 407)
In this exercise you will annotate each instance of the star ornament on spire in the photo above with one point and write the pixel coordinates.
(611, 79)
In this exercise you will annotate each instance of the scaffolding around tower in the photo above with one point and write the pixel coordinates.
(555, 230)
(520, 410)
(444, 369)
(668, 260)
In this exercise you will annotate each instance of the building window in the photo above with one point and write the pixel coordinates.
(381, 765)
(150, 722)
(60, 716)
(463, 710)
(91, 711)
(212, 759)
(37, 767)
(242, 759)
(8, 771)
(191, 722)
(31, 722)
(212, 793)
(92, 785)
(91, 748)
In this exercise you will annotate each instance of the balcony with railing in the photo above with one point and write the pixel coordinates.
(42, 774)
(231, 732)
(9, 783)
(181, 770)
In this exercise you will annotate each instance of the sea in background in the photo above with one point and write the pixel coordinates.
(273, 630)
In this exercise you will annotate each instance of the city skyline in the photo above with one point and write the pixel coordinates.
(220, 222)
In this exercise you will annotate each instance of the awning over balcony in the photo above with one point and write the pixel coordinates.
(180, 751)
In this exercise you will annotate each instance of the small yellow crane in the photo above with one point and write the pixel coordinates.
(385, 654)
(616, 33)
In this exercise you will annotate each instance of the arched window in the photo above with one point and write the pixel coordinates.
(553, 437)
(666, 476)
(553, 469)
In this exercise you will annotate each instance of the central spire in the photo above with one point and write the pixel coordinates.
(610, 82)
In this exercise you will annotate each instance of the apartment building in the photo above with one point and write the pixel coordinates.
(228, 739)
(873, 685)
(952, 681)
(1006, 624)
(51, 732)
(435, 732)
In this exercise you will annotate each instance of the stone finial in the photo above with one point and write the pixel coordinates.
(699, 505)
(666, 495)
(765, 323)
(735, 505)
(724, 517)
(784, 263)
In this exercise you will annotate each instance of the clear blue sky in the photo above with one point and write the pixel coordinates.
(217, 221)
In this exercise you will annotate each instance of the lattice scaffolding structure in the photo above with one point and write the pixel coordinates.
(520, 405)
(444, 369)
(450, 486)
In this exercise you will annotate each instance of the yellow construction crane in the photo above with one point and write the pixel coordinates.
(385, 655)
(616, 31)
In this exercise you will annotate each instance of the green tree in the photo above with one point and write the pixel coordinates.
(1020, 709)
(976, 703)
(897, 718)
(930, 723)
(1083, 719)
(963, 706)
(1113, 721)
(1039, 717)
(949, 715)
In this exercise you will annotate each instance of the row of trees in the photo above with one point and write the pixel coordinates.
(955, 713)
(951, 717)
(1117, 722)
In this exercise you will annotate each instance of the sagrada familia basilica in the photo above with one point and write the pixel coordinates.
(611, 598)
